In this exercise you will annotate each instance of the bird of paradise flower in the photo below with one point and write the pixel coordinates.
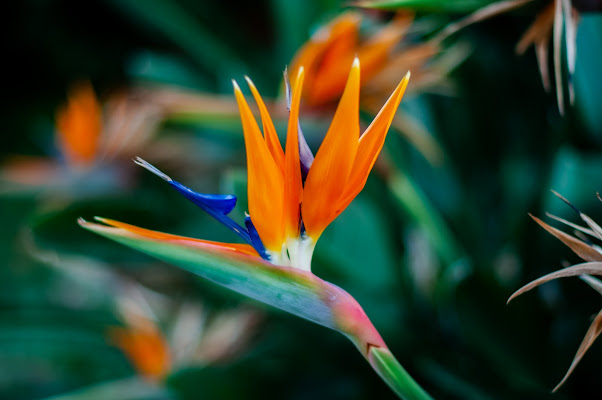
(589, 252)
(287, 215)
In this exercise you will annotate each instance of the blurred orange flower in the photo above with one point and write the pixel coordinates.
(383, 52)
(79, 124)
(191, 337)
(146, 348)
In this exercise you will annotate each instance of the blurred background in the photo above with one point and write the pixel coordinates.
(432, 248)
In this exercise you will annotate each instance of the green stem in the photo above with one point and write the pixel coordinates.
(398, 379)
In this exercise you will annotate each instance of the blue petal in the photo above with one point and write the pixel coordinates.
(222, 203)
(218, 206)
(255, 239)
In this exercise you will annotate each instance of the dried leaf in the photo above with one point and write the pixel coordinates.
(557, 54)
(590, 222)
(582, 249)
(570, 21)
(539, 31)
(572, 225)
(541, 51)
(592, 333)
(490, 10)
(589, 268)
(595, 283)
(593, 225)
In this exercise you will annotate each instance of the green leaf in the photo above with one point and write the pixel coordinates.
(450, 6)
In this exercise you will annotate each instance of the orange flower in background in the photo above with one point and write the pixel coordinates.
(79, 125)
(146, 348)
(383, 51)
(91, 142)
(194, 338)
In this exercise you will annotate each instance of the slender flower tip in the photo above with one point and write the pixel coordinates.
(404, 83)
(249, 81)
(287, 88)
(235, 85)
(287, 85)
(561, 197)
(85, 223)
(356, 62)
(148, 166)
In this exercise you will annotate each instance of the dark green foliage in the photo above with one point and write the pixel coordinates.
(431, 252)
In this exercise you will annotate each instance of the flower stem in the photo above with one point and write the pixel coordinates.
(398, 379)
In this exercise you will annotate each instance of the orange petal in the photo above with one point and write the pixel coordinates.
(234, 247)
(370, 145)
(331, 168)
(79, 124)
(269, 132)
(146, 349)
(293, 183)
(265, 181)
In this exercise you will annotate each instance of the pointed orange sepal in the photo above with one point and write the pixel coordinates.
(293, 182)
(79, 124)
(269, 131)
(370, 145)
(232, 247)
(265, 181)
(331, 168)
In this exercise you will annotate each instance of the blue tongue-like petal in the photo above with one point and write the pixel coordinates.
(255, 239)
(222, 203)
(216, 205)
